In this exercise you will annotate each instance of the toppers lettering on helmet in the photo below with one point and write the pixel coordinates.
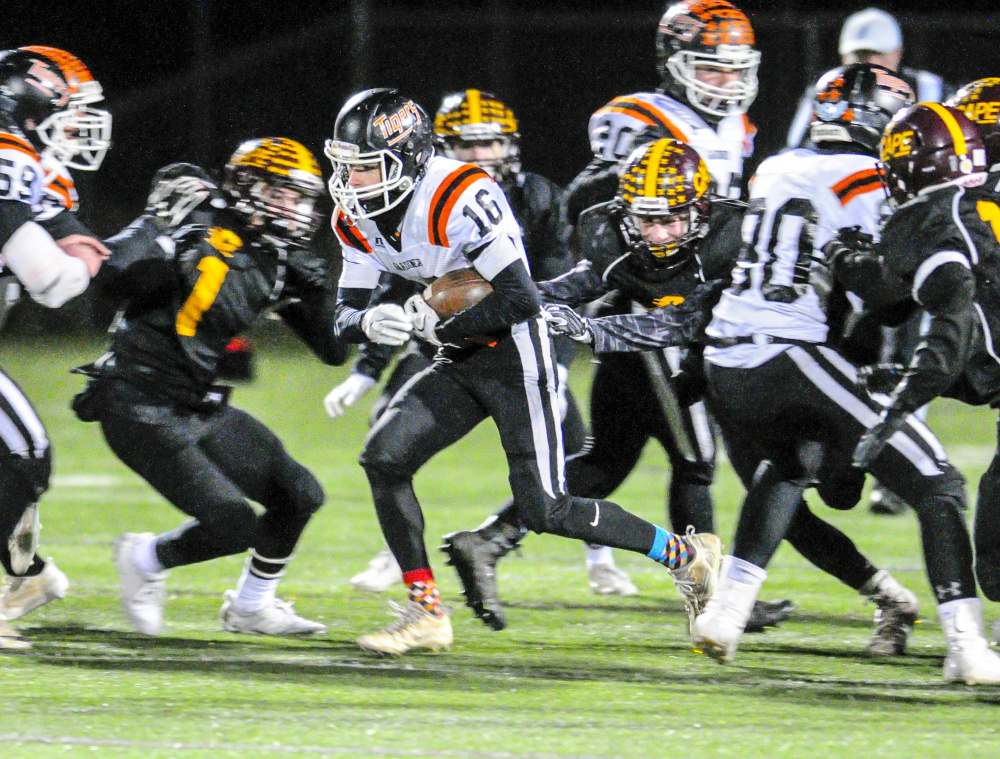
(398, 126)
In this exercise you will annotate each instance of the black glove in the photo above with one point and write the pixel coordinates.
(849, 244)
(880, 378)
(563, 320)
(875, 439)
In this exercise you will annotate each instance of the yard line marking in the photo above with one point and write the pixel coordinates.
(85, 481)
(68, 740)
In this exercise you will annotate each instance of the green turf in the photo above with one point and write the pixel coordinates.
(574, 675)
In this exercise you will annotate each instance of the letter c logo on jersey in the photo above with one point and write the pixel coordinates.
(398, 125)
(668, 300)
(897, 145)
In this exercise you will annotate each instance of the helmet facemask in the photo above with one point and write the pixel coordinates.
(78, 137)
(717, 100)
(387, 192)
(639, 226)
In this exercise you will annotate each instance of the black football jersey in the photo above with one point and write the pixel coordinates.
(956, 225)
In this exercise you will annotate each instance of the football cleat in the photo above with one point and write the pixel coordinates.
(21, 595)
(11, 639)
(609, 580)
(279, 618)
(475, 560)
(717, 630)
(996, 632)
(885, 502)
(141, 595)
(768, 614)
(969, 658)
(696, 580)
(897, 610)
(415, 629)
(383, 572)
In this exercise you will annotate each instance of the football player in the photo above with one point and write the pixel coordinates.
(476, 127)
(791, 408)
(708, 78)
(406, 211)
(662, 208)
(46, 125)
(194, 271)
(941, 246)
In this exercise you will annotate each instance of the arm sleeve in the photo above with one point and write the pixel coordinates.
(514, 299)
(373, 358)
(64, 224)
(142, 261)
(49, 275)
(578, 286)
(350, 309)
(313, 318)
(947, 292)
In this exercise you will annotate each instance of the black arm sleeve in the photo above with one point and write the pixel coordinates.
(514, 299)
(351, 305)
(139, 265)
(13, 215)
(578, 286)
(948, 294)
(313, 319)
(64, 224)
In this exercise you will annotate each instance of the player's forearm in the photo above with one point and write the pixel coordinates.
(352, 302)
(64, 224)
(578, 286)
(514, 299)
(313, 320)
(630, 333)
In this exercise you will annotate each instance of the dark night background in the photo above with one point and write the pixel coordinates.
(188, 80)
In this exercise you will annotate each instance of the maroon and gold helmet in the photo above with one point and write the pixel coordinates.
(929, 145)
(980, 101)
(663, 182)
(711, 34)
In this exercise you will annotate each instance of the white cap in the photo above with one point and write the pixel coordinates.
(870, 29)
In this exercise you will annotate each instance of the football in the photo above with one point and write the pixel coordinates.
(455, 292)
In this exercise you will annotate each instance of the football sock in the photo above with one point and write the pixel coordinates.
(259, 582)
(421, 589)
(599, 555)
(144, 556)
(669, 549)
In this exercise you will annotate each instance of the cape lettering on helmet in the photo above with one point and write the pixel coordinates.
(614, 127)
(798, 202)
(457, 218)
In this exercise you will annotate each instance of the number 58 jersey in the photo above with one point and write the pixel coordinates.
(798, 201)
(457, 218)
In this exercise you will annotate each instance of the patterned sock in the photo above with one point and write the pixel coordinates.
(669, 549)
(421, 589)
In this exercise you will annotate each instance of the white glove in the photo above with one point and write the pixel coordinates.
(347, 393)
(563, 373)
(386, 324)
(423, 318)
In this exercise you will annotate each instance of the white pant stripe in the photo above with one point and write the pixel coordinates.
(702, 430)
(26, 415)
(12, 437)
(553, 375)
(856, 408)
(522, 339)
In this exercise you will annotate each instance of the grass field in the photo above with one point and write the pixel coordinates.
(573, 675)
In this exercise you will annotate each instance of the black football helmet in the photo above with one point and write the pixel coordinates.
(852, 104)
(664, 182)
(980, 101)
(33, 90)
(707, 34)
(927, 146)
(274, 184)
(470, 118)
(378, 129)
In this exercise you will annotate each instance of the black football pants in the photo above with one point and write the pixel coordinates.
(208, 466)
(986, 528)
(515, 384)
(794, 422)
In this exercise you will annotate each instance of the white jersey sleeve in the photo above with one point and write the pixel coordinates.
(361, 269)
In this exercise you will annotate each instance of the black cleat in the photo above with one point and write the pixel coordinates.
(768, 614)
(475, 560)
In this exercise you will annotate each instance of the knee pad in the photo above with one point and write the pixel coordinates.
(307, 494)
(949, 484)
(694, 472)
(540, 517)
(390, 457)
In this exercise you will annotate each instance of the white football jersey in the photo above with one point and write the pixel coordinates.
(799, 199)
(723, 148)
(457, 218)
(21, 170)
(59, 195)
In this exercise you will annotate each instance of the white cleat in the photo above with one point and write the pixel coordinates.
(609, 580)
(11, 639)
(717, 630)
(383, 572)
(141, 595)
(996, 632)
(22, 595)
(897, 610)
(970, 659)
(277, 619)
(415, 629)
